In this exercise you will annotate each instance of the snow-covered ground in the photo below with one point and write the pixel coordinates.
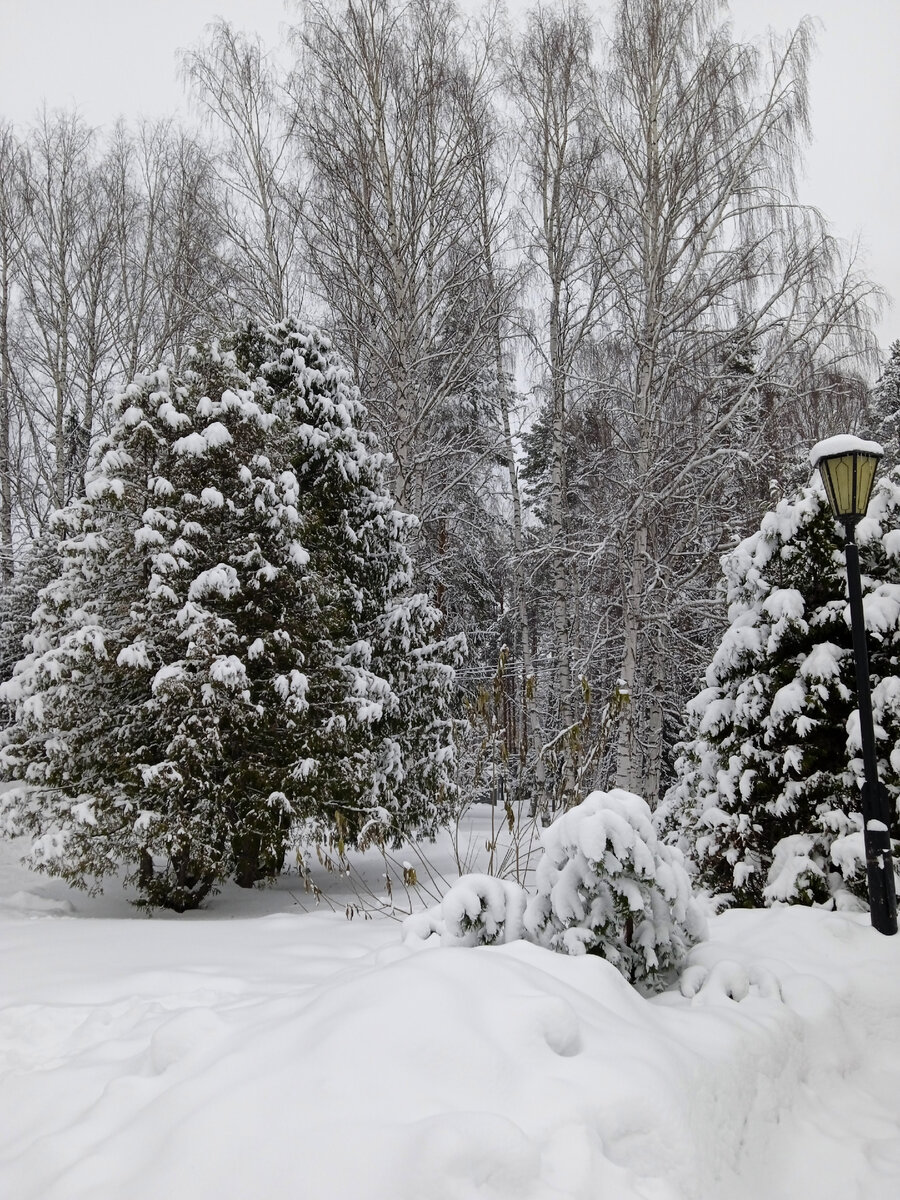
(258, 1050)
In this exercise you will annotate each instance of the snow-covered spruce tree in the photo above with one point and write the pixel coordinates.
(766, 799)
(232, 646)
(884, 409)
(19, 597)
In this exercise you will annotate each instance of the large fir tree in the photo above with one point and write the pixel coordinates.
(232, 646)
(884, 409)
(767, 797)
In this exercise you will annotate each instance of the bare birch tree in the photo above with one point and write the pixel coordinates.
(262, 209)
(381, 95)
(10, 250)
(711, 259)
(170, 284)
(119, 268)
(493, 166)
(62, 282)
(552, 83)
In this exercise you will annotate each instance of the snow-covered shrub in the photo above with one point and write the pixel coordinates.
(766, 799)
(232, 646)
(479, 910)
(818, 869)
(607, 885)
(797, 874)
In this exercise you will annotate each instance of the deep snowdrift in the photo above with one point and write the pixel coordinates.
(292, 1053)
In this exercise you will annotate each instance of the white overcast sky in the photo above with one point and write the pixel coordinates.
(118, 57)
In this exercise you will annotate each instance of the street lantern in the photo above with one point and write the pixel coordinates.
(847, 466)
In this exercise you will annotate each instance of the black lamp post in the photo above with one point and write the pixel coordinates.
(847, 466)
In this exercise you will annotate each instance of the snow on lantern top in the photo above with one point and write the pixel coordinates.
(847, 465)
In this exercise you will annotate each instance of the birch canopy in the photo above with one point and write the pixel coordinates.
(564, 259)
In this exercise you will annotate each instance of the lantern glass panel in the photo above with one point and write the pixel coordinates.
(848, 480)
(865, 477)
(837, 474)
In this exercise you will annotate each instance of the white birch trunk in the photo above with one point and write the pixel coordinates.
(6, 489)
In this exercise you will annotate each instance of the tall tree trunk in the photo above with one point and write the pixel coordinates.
(559, 543)
(553, 86)
(532, 734)
(633, 743)
(653, 760)
(520, 593)
(629, 764)
(6, 489)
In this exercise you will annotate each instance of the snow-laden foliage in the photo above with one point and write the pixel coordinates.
(884, 408)
(766, 798)
(232, 645)
(479, 910)
(18, 599)
(607, 885)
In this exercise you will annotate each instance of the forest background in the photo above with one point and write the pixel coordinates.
(568, 268)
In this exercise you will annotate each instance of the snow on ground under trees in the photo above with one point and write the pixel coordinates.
(257, 1048)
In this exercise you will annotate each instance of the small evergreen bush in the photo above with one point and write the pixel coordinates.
(479, 910)
(605, 885)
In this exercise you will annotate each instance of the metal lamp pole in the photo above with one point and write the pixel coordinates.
(847, 466)
(876, 818)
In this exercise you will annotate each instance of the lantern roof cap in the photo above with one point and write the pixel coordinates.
(843, 443)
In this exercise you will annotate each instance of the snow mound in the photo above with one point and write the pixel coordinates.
(203, 1060)
(34, 904)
